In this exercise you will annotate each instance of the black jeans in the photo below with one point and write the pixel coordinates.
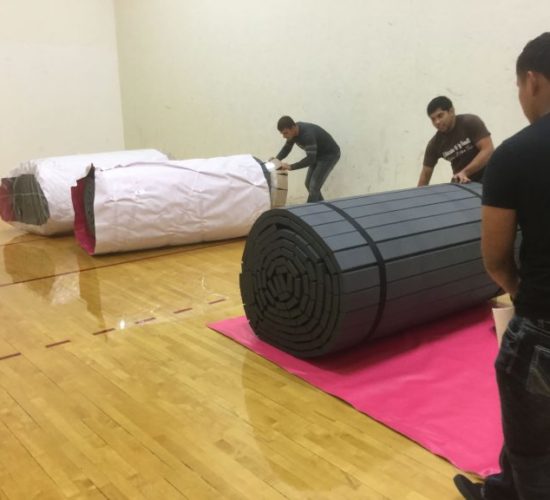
(523, 376)
(317, 175)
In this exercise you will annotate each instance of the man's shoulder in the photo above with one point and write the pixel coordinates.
(512, 156)
(307, 130)
(472, 126)
(468, 119)
(468, 116)
(308, 126)
(522, 139)
(435, 141)
(507, 151)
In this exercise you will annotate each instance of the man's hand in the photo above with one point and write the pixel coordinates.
(284, 166)
(461, 178)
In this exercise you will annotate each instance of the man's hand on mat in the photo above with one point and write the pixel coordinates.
(461, 178)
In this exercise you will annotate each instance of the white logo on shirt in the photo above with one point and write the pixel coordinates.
(458, 149)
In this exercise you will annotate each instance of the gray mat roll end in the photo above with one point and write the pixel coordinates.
(323, 277)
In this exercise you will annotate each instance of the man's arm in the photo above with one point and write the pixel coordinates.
(287, 148)
(498, 234)
(486, 148)
(311, 155)
(425, 176)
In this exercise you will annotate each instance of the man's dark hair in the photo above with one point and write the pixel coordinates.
(285, 122)
(440, 102)
(535, 56)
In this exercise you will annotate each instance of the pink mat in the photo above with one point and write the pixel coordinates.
(81, 230)
(434, 384)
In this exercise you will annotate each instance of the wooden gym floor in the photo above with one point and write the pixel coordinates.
(111, 386)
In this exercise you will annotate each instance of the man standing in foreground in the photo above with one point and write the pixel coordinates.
(516, 191)
(322, 153)
(461, 139)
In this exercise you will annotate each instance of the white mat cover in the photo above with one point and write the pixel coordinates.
(56, 175)
(147, 205)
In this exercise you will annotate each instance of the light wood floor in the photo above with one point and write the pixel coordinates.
(111, 386)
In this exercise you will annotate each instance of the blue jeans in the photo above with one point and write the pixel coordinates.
(523, 376)
(317, 175)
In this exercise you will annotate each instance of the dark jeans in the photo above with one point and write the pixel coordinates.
(523, 376)
(317, 175)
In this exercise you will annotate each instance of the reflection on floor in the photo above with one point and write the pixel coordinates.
(111, 386)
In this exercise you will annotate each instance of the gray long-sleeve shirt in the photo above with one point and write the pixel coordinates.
(314, 140)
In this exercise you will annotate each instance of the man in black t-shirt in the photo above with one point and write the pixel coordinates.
(461, 139)
(516, 191)
(322, 153)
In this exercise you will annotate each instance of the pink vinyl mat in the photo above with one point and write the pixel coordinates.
(434, 384)
(81, 230)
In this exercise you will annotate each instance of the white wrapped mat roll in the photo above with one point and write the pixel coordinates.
(39, 196)
(153, 204)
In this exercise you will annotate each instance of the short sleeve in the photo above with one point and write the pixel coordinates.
(430, 155)
(501, 179)
(476, 128)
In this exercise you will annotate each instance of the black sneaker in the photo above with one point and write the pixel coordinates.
(469, 489)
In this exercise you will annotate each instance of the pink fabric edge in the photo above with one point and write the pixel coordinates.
(478, 454)
(6, 200)
(85, 239)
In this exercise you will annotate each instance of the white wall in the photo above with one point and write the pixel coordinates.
(59, 85)
(211, 77)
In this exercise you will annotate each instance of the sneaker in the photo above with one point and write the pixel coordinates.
(469, 489)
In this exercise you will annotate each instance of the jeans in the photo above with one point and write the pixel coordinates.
(523, 377)
(317, 175)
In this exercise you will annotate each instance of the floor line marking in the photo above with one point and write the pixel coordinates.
(139, 259)
(216, 301)
(21, 242)
(55, 344)
(146, 320)
(179, 311)
(107, 330)
(8, 356)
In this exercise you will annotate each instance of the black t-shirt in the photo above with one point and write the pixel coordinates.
(518, 177)
(316, 142)
(459, 145)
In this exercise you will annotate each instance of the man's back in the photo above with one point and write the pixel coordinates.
(310, 133)
(518, 177)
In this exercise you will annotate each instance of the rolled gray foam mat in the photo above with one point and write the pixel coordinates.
(29, 203)
(323, 277)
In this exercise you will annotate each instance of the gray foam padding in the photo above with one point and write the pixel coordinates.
(323, 277)
(29, 203)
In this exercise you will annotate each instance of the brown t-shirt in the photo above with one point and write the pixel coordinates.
(459, 145)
